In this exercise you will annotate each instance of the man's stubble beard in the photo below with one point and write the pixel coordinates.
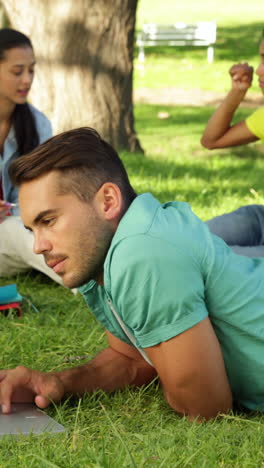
(91, 268)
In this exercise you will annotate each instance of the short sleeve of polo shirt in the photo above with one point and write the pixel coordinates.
(159, 291)
(255, 123)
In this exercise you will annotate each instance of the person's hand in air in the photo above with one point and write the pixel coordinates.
(242, 76)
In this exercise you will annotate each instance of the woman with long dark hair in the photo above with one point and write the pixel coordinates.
(22, 128)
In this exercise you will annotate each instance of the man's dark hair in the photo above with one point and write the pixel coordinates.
(84, 160)
(23, 120)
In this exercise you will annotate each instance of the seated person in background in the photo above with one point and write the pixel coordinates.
(243, 229)
(175, 300)
(22, 128)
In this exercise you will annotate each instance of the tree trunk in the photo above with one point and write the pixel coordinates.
(84, 51)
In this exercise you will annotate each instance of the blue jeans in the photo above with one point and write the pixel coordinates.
(242, 230)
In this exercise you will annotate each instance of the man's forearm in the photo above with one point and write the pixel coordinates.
(108, 371)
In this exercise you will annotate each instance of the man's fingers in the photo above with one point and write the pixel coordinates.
(50, 389)
(42, 402)
(23, 385)
(6, 397)
(10, 381)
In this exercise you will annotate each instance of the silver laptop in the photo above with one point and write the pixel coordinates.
(26, 418)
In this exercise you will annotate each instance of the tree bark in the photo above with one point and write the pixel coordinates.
(84, 51)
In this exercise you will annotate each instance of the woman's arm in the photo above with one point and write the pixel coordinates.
(219, 133)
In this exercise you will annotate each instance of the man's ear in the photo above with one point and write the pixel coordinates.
(108, 201)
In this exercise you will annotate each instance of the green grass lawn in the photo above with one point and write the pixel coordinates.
(177, 167)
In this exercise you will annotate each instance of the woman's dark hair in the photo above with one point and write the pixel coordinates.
(22, 118)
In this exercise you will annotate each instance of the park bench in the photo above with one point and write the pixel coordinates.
(202, 33)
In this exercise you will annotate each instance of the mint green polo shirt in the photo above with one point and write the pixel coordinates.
(165, 272)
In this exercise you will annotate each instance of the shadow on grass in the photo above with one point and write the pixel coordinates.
(182, 120)
(239, 42)
(152, 168)
(194, 181)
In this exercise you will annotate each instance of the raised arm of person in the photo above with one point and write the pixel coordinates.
(219, 132)
(113, 368)
(192, 372)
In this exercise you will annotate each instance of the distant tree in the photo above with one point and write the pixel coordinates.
(84, 50)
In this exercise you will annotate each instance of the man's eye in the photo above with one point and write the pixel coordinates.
(48, 221)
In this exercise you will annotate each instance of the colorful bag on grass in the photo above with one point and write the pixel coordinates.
(10, 298)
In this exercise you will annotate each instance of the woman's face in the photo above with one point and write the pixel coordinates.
(16, 74)
(260, 69)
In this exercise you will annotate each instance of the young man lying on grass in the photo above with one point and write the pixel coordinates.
(174, 299)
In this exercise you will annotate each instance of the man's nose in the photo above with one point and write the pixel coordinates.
(41, 245)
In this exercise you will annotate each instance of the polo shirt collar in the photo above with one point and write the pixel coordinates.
(137, 219)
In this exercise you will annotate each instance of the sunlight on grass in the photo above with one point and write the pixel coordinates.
(187, 70)
(190, 11)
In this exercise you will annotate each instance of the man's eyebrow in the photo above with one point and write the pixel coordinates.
(42, 214)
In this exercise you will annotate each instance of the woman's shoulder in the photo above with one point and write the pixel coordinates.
(42, 123)
(255, 122)
(38, 114)
(256, 114)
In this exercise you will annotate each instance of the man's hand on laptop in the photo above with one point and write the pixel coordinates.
(23, 385)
